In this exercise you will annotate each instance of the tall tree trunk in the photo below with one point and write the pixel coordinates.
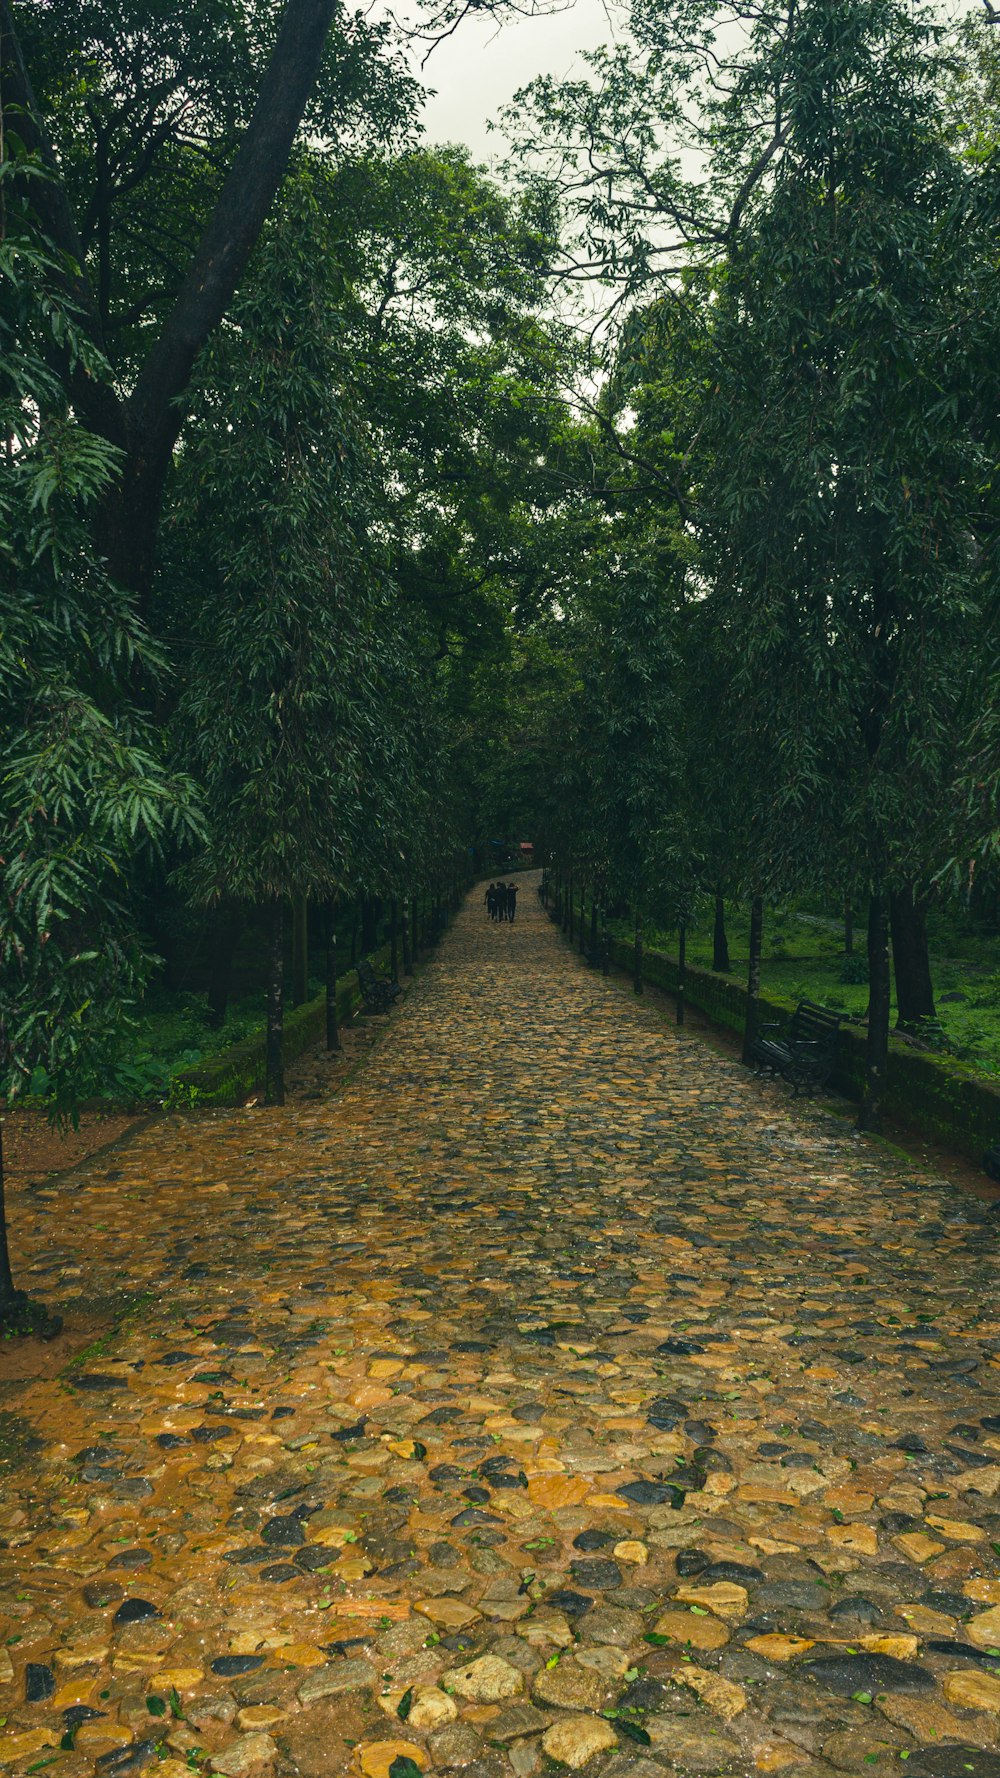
(415, 922)
(583, 922)
(369, 924)
(753, 977)
(681, 966)
(637, 981)
(911, 958)
(300, 949)
(227, 924)
(877, 1043)
(605, 941)
(570, 908)
(593, 930)
(848, 927)
(393, 939)
(720, 942)
(9, 1297)
(332, 1022)
(406, 936)
(275, 1087)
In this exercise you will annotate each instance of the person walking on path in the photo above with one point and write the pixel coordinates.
(501, 901)
(511, 901)
(490, 899)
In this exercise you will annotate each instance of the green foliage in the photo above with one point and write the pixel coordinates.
(146, 102)
(841, 498)
(84, 790)
(295, 714)
(854, 968)
(808, 376)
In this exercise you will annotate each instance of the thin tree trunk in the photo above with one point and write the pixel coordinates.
(720, 942)
(753, 977)
(911, 959)
(226, 927)
(877, 1044)
(300, 950)
(637, 981)
(593, 930)
(681, 964)
(275, 1087)
(393, 939)
(848, 927)
(583, 922)
(407, 941)
(415, 923)
(8, 1295)
(369, 924)
(18, 1314)
(605, 941)
(332, 1023)
(570, 910)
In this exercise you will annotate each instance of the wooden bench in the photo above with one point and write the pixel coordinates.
(804, 1051)
(377, 994)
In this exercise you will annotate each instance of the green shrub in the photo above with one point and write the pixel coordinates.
(854, 969)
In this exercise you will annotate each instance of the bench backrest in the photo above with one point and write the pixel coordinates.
(814, 1024)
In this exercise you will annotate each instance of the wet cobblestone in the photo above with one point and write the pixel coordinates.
(556, 1395)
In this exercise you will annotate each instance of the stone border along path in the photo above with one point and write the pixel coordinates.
(556, 1393)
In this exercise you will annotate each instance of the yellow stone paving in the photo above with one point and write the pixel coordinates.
(557, 1395)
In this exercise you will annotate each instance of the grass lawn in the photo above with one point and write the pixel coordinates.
(804, 959)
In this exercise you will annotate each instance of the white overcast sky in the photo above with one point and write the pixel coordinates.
(477, 71)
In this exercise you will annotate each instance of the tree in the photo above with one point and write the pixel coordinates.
(294, 712)
(461, 381)
(139, 89)
(843, 482)
(84, 788)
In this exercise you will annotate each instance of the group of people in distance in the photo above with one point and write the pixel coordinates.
(501, 901)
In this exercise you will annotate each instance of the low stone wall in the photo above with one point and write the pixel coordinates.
(941, 1098)
(230, 1077)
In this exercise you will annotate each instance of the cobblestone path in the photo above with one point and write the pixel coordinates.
(557, 1393)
